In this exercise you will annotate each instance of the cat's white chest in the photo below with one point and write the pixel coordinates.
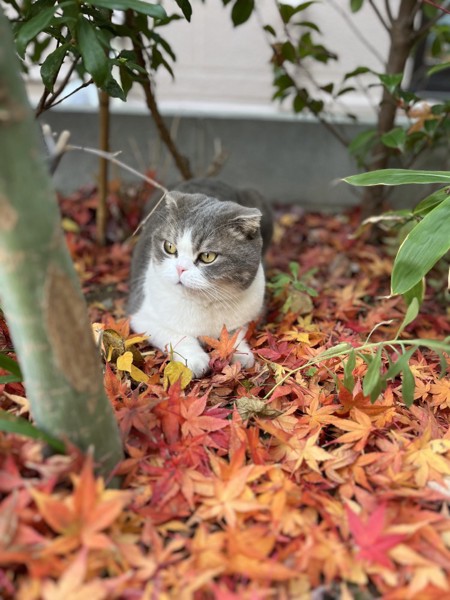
(192, 314)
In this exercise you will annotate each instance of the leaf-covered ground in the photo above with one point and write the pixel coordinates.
(280, 482)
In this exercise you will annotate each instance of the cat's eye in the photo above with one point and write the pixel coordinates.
(207, 257)
(169, 247)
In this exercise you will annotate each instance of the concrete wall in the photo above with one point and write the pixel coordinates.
(290, 161)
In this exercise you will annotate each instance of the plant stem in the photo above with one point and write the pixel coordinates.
(103, 164)
(329, 354)
(181, 161)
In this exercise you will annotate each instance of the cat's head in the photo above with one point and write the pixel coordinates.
(200, 243)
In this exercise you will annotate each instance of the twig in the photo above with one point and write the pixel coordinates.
(181, 161)
(344, 13)
(387, 7)
(219, 159)
(80, 87)
(380, 16)
(435, 5)
(45, 104)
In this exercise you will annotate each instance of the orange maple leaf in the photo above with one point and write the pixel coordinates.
(224, 347)
(358, 430)
(197, 423)
(81, 518)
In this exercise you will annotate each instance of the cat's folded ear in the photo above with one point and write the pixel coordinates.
(247, 222)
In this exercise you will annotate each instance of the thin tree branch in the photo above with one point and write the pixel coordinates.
(80, 87)
(344, 14)
(45, 104)
(387, 6)
(380, 16)
(438, 6)
(181, 161)
(429, 24)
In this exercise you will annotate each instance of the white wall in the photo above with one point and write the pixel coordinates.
(222, 68)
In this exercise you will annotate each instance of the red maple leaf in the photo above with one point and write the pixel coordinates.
(372, 543)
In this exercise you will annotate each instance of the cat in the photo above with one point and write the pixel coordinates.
(198, 267)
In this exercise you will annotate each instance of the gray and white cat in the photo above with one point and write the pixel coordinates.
(197, 267)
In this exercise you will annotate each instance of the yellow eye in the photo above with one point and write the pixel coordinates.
(207, 257)
(169, 247)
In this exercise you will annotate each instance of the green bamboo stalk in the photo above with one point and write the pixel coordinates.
(39, 290)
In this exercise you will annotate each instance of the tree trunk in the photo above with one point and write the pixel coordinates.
(402, 39)
(39, 290)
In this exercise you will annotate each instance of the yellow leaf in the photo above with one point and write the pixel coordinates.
(70, 226)
(135, 339)
(176, 371)
(138, 375)
(125, 362)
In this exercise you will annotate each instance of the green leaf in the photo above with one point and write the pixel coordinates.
(186, 8)
(51, 66)
(438, 68)
(362, 141)
(395, 138)
(415, 293)
(151, 10)
(430, 202)
(287, 11)
(349, 366)
(411, 313)
(288, 52)
(114, 90)
(10, 379)
(241, 11)
(390, 81)
(355, 5)
(372, 377)
(94, 56)
(398, 177)
(408, 385)
(422, 248)
(400, 364)
(13, 424)
(9, 364)
(356, 72)
(31, 28)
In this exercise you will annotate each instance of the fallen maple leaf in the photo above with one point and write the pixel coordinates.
(80, 518)
(371, 542)
(196, 422)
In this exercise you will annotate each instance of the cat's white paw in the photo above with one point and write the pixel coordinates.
(198, 362)
(244, 355)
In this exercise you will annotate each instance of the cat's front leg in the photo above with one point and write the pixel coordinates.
(184, 348)
(242, 352)
(189, 351)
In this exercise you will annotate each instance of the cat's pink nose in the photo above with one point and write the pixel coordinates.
(180, 270)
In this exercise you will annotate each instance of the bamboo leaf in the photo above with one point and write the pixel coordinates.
(372, 377)
(411, 313)
(431, 201)
(422, 248)
(10, 365)
(408, 385)
(398, 177)
(13, 424)
(349, 380)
